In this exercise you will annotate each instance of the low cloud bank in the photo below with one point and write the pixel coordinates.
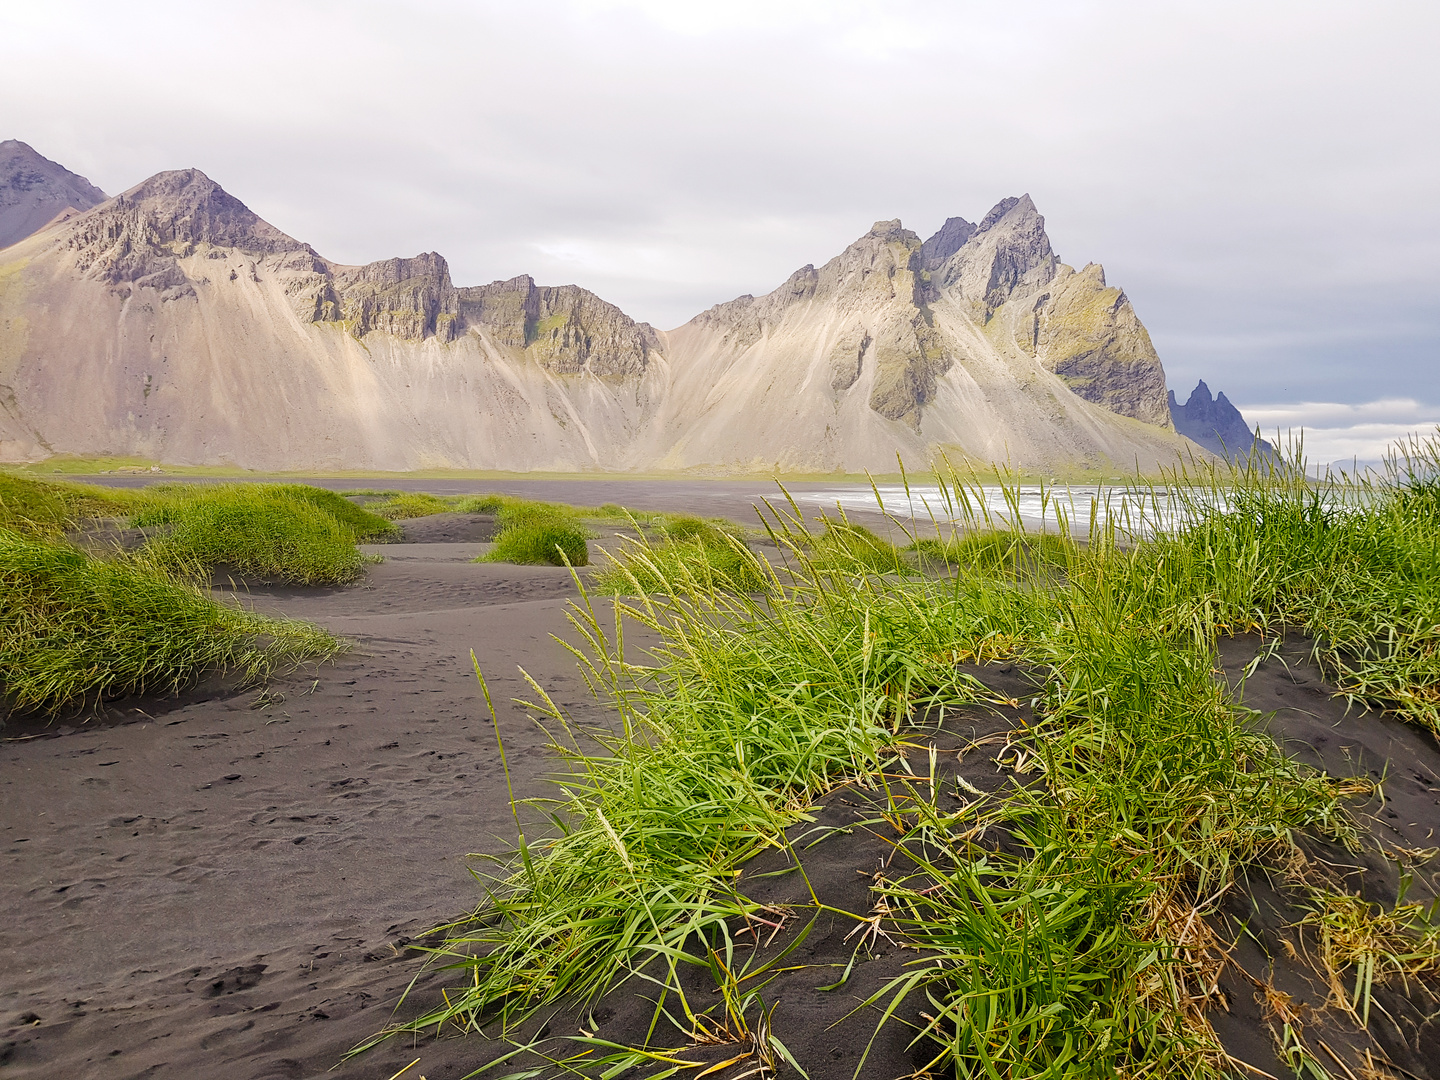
(1342, 434)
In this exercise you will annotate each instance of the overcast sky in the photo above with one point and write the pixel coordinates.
(1261, 178)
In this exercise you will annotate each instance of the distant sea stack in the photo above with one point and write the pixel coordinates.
(35, 190)
(1216, 425)
(172, 323)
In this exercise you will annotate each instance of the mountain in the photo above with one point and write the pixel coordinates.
(172, 323)
(34, 190)
(1216, 425)
(978, 342)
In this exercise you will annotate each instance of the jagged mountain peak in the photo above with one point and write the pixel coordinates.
(1017, 208)
(876, 268)
(1216, 424)
(35, 190)
(138, 237)
(185, 185)
(23, 168)
(890, 232)
(948, 239)
(1009, 251)
(186, 206)
(885, 245)
(1200, 397)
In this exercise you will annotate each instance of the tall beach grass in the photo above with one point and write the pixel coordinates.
(283, 533)
(1082, 946)
(75, 631)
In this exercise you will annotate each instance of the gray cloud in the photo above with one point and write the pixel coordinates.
(1260, 177)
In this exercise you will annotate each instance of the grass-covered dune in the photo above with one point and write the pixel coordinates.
(123, 613)
(274, 532)
(1064, 924)
(528, 533)
(40, 508)
(78, 628)
(533, 533)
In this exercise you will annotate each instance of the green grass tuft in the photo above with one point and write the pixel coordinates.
(279, 533)
(362, 523)
(993, 553)
(479, 504)
(49, 508)
(76, 630)
(410, 504)
(532, 533)
(540, 543)
(848, 548)
(690, 554)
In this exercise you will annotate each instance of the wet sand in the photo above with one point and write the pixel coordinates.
(225, 884)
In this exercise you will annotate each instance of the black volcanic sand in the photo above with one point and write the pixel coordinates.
(1402, 819)
(222, 884)
(225, 883)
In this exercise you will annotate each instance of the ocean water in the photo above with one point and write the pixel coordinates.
(1137, 511)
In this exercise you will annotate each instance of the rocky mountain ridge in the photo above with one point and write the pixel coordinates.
(1216, 424)
(191, 329)
(35, 190)
(139, 238)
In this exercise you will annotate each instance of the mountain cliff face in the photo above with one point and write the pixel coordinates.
(173, 323)
(34, 190)
(1216, 424)
(977, 342)
(1070, 322)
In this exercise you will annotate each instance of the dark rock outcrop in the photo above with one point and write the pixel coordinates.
(139, 237)
(407, 298)
(566, 329)
(1088, 334)
(35, 190)
(1008, 254)
(1216, 425)
(948, 239)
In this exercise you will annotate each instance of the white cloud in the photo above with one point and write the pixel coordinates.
(1335, 432)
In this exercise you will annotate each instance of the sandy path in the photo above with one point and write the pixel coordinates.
(216, 889)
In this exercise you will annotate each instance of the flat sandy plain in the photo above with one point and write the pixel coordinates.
(224, 883)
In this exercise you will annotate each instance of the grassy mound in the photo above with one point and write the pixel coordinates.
(281, 533)
(541, 543)
(45, 508)
(362, 523)
(691, 554)
(75, 630)
(409, 504)
(533, 533)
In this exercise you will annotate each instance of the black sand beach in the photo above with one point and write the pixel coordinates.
(220, 886)
(225, 884)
